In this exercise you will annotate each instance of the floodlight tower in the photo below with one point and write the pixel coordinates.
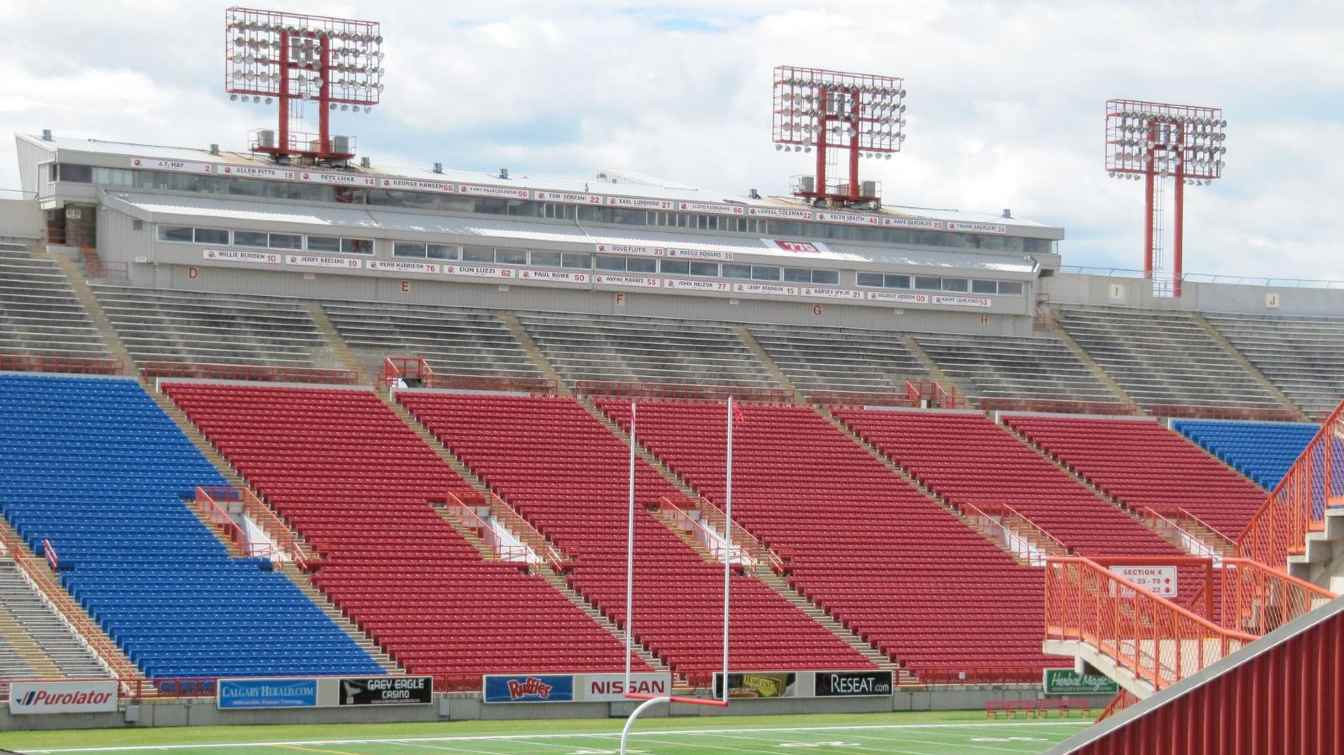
(293, 58)
(1155, 141)
(833, 112)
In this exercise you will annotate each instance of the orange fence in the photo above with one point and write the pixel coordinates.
(679, 390)
(1014, 532)
(715, 522)
(1172, 525)
(1257, 600)
(1057, 407)
(1298, 503)
(213, 501)
(1154, 639)
(919, 391)
(1208, 412)
(465, 505)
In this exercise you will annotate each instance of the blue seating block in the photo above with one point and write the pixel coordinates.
(1263, 451)
(94, 466)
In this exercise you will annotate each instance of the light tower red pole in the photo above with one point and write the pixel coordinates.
(324, 96)
(1149, 181)
(854, 147)
(283, 97)
(823, 120)
(1178, 223)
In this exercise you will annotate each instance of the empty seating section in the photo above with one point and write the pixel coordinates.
(97, 468)
(880, 557)
(1165, 361)
(968, 459)
(191, 333)
(457, 343)
(1001, 371)
(42, 324)
(356, 482)
(841, 363)
(1263, 451)
(566, 473)
(1302, 356)
(23, 612)
(655, 352)
(1147, 466)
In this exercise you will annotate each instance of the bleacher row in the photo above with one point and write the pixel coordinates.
(1165, 363)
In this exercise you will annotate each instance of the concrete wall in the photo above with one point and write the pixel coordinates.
(1099, 290)
(21, 218)
(467, 707)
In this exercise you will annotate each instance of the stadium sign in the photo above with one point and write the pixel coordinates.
(610, 688)
(386, 690)
(1066, 681)
(251, 694)
(43, 697)
(527, 688)
(853, 684)
(1159, 580)
(772, 684)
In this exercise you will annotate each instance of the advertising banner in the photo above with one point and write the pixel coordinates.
(853, 683)
(627, 281)
(400, 266)
(607, 688)
(243, 694)
(235, 255)
(962, 301)
(43, 697)
(321, 260)
(1066, 681)
(479, 271)
(556, 276)
(528, 688)
(387, 690)
(771, 684)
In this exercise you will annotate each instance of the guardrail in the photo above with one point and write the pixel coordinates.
(75, 365)
(161, 369)
(210, 498)
(522, 529)
(1298, 503)
(742, 540)
(1154, 639)
(49, 550)
(1194, 543)
(1242, 280)
(599, 388)
(1258, 599)
(1033, 546)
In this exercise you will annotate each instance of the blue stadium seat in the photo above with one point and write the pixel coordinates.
(94, 466)
(1263, 451)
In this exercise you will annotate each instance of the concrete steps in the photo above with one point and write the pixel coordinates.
(771, 366)
(340, 350)
(1249, 368)
(338, 617)
(80, 285)
(558, 581)
(36, 634)
(1321, 561)
(1101, 375)
(534, 352)
(935, 372)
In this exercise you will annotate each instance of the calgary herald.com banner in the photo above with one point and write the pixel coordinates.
(36, 697)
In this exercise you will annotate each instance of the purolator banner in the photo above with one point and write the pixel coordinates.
(42, 697)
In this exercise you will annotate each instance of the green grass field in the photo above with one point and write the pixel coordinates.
(942, 733)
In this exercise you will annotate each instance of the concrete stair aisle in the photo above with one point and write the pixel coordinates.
(339, 349)
(32, 631)
(935, 372)
(1249, 368)
(468, 534)
(559, 582)
(80, 285)
(781, 585)
(534, 352)
(1078, 351)
(771, 366)
(338, 617)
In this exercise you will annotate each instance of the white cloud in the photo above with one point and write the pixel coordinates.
(1005, 99)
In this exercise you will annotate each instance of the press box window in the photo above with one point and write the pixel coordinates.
(478, 254)
(826, 277)
(578, 260)
(641, 265)
(250, 238)
(764, 273)
(675, 267)
(176, 233)
(984, 287)
(871, 280)
(896, 281)
(357, 246)
(1010, 288)
(401, 249)
(737, 271)
(211, 236)
(324, 244)
(707, 269)
(546, 259)
(927, 283)
(797, 275)
(608, 262)
(285, 241)
(441, 252)
(510, 257)
(954, 284)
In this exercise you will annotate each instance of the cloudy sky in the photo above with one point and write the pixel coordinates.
(1006, 99)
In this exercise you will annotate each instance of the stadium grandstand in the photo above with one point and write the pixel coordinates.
(268, 423)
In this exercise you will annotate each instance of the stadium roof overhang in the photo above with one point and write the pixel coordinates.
(467, 229)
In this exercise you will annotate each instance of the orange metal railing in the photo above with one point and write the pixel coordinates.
(407, 368)
(1014, 532)
(1257, 599)
(465, 505)
(1198, 544)
(1154, 639)
(1298, 503)
(715, 520)
(212, 502)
